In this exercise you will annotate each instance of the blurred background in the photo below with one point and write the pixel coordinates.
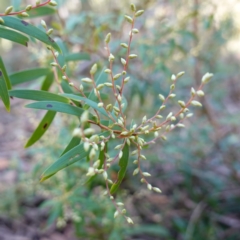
(197, 169)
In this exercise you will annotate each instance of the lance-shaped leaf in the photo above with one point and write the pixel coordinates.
(47, 82)
(4, 92)
(37, 95)
(123, 163)
(57, 107)
(75, 154)
(77, 57)
(13, 36)
(73, 143)
(92, 104)
(41, 129)
(42, 11)
(28, 75)
(5, 75)
(29, 29)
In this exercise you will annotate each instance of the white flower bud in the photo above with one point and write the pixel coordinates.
(120, 204)
(123, 61)
(173, 77)
(135, 30)
(87, 80)
(129, 19)
(146, 174)
(139, 13)
(149, 186)
(135, 172)
(196, 103)
(126, 79)
(92, 153)
(93, 69)
(193, 92)
(111, 58)
(105, 175)
(53, 3)
(169, 116)
(108, 38)
(180, 74)
(107, 70)
(189, 115)
(124, 45)
(155, 189)
(86, 146)
(144, 119)
(116, 214)
(8, 10)
(129, 220)
(200, 93)
(182, 104)
(161, 97)
(84, 117)
(207, 77)
(132, 56)
(115, 77)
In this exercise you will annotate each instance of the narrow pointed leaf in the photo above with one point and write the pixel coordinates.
(47, 82)
(13, 36)
(75, 154)
(72, 156)
(57, 107)
(4, 92)
(42, 11)
(123, 162)
(29, 29)
(5, 74)
(77, 57)
(37, 95)
(73, 143)
(87, 101)
(41, 129)
(28, 75)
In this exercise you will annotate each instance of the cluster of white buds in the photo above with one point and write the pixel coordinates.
(119, 128)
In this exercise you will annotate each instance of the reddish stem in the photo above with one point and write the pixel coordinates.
(19, 12)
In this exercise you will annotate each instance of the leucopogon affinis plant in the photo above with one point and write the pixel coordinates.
(113, 125)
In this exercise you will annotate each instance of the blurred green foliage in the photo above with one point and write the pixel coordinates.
(198, 168)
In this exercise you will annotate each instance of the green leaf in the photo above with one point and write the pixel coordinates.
(73, 143)
(47, 82)
(37, 95)
(30, 30)
(41, 129)
(77, 57)
(75, 154)
(66, 88)
(57, 106)
(13, 36)
(28, 75)
(4, 92)
(86, 100)
(72, 156)
(123, 162)
(42, 11)
(5, 75)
